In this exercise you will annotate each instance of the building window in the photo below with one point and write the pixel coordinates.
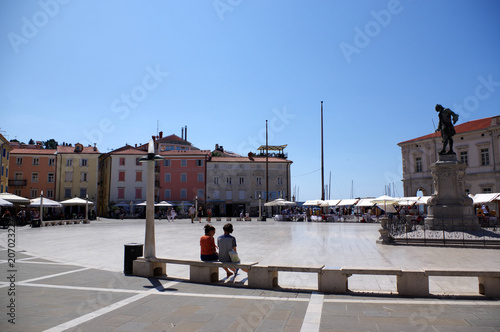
(168, 177)
(34, 193)
(216, 180)
(50, 193)
(84, 162)
(485, 157)
(184, 193)
(36, 161)
(184, 163)
(17, 192)
(241, 195)
(229, 195)
(200, 177)
(50, 177)
(83, 192)
(242, 180)
(138, 193)
(121, 176)
(19, 161)
(166, 163)
(418, 164)
(67, 193)
(83, 177)
(464, 158)
(228, 180)
(199, 162)
(122, 161)
(167, 193)
(34, 177)
(258, 194)
(69, 162)
(258, 181)
(137, 162)
(201, 193)
(183, 177)
(216, 194)
(138, 176)
(69, 177)
(280, 181)
(121, 193)
(487, 190)
(52, 161)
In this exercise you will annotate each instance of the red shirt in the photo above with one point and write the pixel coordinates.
(207, 245)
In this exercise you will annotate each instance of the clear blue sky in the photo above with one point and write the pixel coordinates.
(108, 71)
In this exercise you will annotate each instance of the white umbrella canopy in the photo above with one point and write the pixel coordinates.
(423, 200)
(75, 201)
(385, 199)
(14, 198)
(46, 202)
(163, 203)
(330, 202)
(3, 202)
(142, 204)
(279, 202)
(408, 200)
(313, 202)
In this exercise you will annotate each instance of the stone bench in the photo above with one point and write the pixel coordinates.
(266, 277)
(199, 271)
(489, 280)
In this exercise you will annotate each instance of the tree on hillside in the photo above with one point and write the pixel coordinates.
(51, 144)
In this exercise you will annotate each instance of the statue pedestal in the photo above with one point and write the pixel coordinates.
(450, 208)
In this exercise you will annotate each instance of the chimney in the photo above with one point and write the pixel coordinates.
(186, 133)
(161, 134)
(95, 146)
(182, 132)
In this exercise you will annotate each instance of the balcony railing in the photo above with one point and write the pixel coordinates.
(17, 183)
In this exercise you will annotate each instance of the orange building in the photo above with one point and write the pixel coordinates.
(32, 171)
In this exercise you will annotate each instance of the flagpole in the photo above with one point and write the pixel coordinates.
(322, 159)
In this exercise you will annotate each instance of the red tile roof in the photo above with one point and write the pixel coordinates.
(461, 128)
(71, 149)
(246, 159)
(127, 149)
(33, 151)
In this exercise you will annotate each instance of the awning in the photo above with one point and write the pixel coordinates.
(279, 202)
(407, 201)
(347, 202)
(76, 201)
(486, 198)
(313, 202)
(14, 198)
(163, 203)
(365, 202)
(423, 200)
(46, 202)
(3, 202)
(330, 202)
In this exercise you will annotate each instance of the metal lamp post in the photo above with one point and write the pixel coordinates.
(196, 206)
(87, 208)
(149, 243)
(260, 207)
(41, 208)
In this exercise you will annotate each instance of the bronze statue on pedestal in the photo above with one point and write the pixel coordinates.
(447, 118)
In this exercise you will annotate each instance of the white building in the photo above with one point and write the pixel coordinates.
(476, 144)
(122, 178)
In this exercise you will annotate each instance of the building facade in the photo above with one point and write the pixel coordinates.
(33, 171)
(5, 149)
(122, 178)
(238, 184)
(77, 172)
(476, 144)
(181, 175)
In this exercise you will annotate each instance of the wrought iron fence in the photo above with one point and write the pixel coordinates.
(406, 230)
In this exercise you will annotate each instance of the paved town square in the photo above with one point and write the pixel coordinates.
(71, 278)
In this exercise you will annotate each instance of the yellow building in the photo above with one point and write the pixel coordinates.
(5, 149)
(77, 172)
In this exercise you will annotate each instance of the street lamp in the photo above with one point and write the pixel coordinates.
(149, 243)
(87, 208)
(41, 208)
(196, 205)
(260, 208)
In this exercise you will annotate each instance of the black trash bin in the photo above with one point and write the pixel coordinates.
(36, 223)
(132, 251)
